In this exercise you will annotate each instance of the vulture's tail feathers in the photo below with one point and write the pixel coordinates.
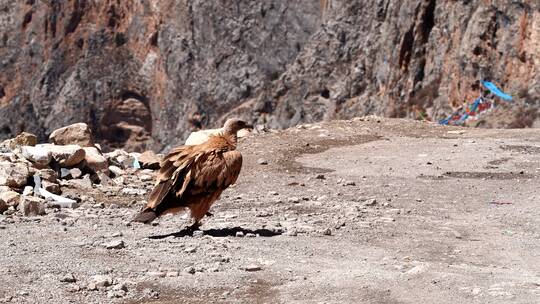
(146, 216)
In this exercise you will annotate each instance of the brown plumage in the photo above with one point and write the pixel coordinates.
(193, 177)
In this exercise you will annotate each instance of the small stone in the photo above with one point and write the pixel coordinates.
(370, 202)
(190, 270)
(262, 161)
(251, 267)
(419, 200)
(145, 178)
(273, 193)
(172, 274)
(117, 171)
(149, 160)
(100, 281)
(3, 206)
(239, 234)
(121, 286)
(75, 134)
(132, 191)
(156, 274)
(32, 206)
(327, 231)
(99, 206)
(68, 278)
(51, 187)
(116, 244)
(150, 293)
(349, 183)
(48, 175)
(190, 250)
(116, 294)
(250, 235)
(294, 200)
(320, 176)
(75, 172)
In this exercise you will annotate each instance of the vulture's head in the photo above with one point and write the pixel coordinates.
(233, 125)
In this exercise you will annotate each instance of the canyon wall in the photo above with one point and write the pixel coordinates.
(145, 73)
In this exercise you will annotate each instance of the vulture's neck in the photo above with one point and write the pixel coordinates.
(231, 138)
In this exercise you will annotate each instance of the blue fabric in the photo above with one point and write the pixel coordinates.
(495, 90)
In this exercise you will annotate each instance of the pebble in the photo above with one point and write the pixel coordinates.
(171, 274)
(370, 202)
(156, 274)
(150, 293)
(250, 235)
(116, 244)
(190, 270)
(294, 200)
(116, 294)
(146, 178)
(320, 176)
(239, 234)
(327, 231)
(190, 250)
(262, 161)
(68, 278)
(251, 267)
(100, 281)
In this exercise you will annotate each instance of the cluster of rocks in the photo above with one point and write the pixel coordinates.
(33, 176)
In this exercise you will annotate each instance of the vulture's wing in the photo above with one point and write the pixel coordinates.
(215, 171)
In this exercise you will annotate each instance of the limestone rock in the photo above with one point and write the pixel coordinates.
(32, 206)
(38, 155)
(48, 175)
(66, 156)
(149, 160)
(10, 198)
(95, 160)
(75, 134)
(13, 175)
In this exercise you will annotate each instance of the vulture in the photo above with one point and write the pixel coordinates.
(192, 177)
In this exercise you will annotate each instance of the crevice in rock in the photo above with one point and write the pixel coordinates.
(406, 48)
(76, 17)
(427, 21)
(27, 19)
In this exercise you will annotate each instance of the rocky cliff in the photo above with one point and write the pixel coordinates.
(145, 73)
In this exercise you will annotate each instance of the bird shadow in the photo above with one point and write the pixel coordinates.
(219, 232)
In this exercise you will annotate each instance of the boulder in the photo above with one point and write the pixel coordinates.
(75, 134)
(38, 155)
(23, 139)
(10, 198)
(95, 160)
(13, 175)
(149, 160)
(32, 206)
(65, 156)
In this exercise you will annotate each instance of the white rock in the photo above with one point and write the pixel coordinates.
(13, 174)
(66, 156)
(75, 134)
(95, 160)
(38, 155)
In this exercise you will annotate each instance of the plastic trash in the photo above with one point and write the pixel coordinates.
(48, 195)
(136, 164)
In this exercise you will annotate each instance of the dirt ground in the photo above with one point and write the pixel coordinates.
(365, 211)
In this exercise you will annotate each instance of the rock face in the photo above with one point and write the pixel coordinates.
(143, 74)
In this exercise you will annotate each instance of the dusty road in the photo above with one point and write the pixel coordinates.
(364, 211)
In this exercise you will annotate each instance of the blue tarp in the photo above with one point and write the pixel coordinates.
(495, 90)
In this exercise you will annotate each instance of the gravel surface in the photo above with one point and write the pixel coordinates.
(365, 211)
